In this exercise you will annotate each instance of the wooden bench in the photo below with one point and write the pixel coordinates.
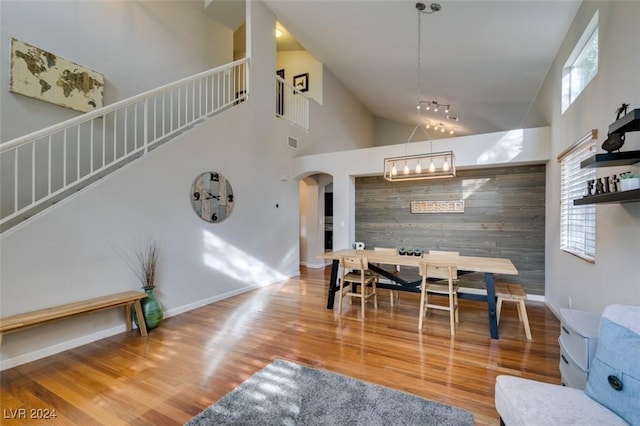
(42, 316)
(514, 293)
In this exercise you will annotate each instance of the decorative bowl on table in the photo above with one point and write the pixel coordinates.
(402, 251)
(417, 252)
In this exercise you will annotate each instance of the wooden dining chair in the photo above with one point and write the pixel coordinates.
(395, 270)
(441, 271)
(354, 273)
(444, 254)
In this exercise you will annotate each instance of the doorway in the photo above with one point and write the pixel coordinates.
(316, 218)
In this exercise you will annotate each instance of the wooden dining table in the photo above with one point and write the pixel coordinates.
(465, 264)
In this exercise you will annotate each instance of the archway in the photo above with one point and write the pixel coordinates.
(315, 222)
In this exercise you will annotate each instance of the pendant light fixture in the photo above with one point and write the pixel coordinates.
(441, 164)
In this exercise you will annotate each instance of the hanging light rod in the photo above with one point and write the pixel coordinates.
(439, 127)
(435, 105)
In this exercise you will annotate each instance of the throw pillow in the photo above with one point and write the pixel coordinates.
(614, 377)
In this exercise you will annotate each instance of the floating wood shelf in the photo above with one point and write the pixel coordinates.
(613, 159)
(628, 123)
(612, 197)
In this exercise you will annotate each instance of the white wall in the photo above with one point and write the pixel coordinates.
(136, 45)
(389, 132)
(614, 278)
(309, 218)
(71, 253)
(514, 147)
(340, 123)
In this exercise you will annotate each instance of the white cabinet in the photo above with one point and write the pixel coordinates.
(578, 339)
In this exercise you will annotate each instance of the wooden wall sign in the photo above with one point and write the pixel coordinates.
(445, 206)
(602, 185)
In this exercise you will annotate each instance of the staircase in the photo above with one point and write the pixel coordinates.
(41, 168)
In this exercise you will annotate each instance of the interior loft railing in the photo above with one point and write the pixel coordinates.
(40, 168)
(291, 104)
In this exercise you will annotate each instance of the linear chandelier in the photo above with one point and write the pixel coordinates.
(422, 166)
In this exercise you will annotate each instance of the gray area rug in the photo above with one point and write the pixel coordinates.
(285, 393)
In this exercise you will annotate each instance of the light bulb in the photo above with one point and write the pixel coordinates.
(394, 170)
(446, 110)
(418, 168)
(278, 33)
(436, 109)
(428, 126)
(418, 107)
(445, 166)
(442, 130)
(406, 168)
(428, 107)
(451, 131)
(432, 167)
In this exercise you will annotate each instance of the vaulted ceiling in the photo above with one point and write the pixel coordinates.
(486, 58)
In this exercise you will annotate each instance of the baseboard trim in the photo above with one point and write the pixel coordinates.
(5, 364)
(313, 265)
(191, 306)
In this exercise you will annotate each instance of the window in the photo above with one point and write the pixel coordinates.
(582, 64)
(577, 223)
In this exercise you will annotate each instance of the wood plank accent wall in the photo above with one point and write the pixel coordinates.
(504, 217)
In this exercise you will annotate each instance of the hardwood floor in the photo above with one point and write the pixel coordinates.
(193, 359)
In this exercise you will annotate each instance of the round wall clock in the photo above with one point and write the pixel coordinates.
(212, 197)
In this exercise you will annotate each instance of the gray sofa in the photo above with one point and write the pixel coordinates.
(612, 395)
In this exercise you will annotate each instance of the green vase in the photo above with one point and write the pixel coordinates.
(151, 310)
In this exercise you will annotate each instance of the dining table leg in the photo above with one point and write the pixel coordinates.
(333, 283)
(491, 303)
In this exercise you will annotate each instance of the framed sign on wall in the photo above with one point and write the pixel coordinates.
(42, 75)
(301, 82)
(445, 206)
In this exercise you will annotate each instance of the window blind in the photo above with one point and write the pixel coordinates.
(577, 223)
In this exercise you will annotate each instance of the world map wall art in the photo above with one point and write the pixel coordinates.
(42, 75)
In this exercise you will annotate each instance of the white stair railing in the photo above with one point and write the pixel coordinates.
(39, 168)
(291, 104)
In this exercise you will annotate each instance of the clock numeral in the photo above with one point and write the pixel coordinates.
(196, 196)
(214, 217)
(230, 198)
(215, 177)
